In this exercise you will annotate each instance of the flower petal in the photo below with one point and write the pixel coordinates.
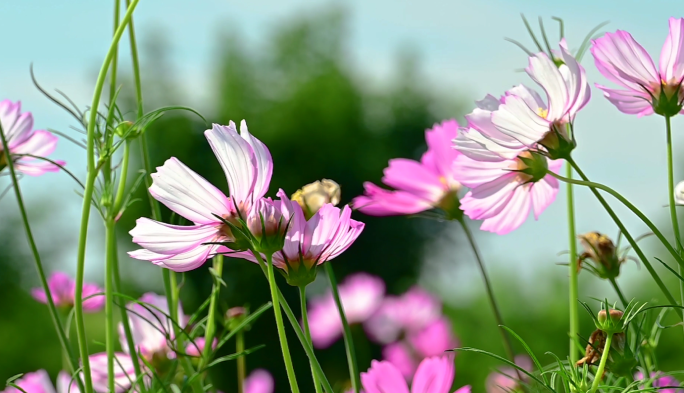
(545, 72)
(410, 176)
(575, 79)
(183, 262)
(188, 194)
(672, 55)
(380, 202)
(259, 381)
(543, 193)
(631, 102)
(622, 60)
(438, 140)
(434, 375)
(264, 162)
(170, 239)
(489, 199)
(472, 173)
(516, 119)
(17, 126)
(512, 215)
(383, 377)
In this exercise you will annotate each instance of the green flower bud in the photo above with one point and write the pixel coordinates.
(610, 321)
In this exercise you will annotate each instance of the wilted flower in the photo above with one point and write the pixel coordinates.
(63, 291)
(419, 186)
(259, 381)
(22, 139)
(314, 195)
(434, 375)
(600, 249)
(361, 294)
(646, 89)
(248, 167)
(506, 179)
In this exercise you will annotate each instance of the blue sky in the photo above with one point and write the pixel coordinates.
(462, 49)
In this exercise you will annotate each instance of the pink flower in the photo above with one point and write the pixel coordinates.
(419, 186)
(528, 119)
(22, 139)
(35, 382)
(197, 347)
(361, 295)
(259, 381)
(500, 170)
(248, 167)
(434, 375)
(151, 327)
(434, 339)
(505, 379)
(66, 384)
(325, 236)
(63, 291)
(124, 372)
(645, 89)
(410, 312)
(664, 383)
(401, 356)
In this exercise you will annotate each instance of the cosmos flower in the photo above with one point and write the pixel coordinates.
(35, 382)
(63, 291)
(663, 383)
(434, 375)
(259, 381)
(645, 89)
(248, 166)
(419, 186)
(23, 139)
(361, 295)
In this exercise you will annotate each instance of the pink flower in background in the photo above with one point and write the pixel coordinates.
(259, 381)
(663, 383)
(499, 196)
(433, 339)
(63, 291)
(434, 375)
(151, 327)
(527, 118)
(35, 382)
(505, 379)
(22, 139)
(402, 357)
(196, 347)
(124, 372)
(66, 384)
(361, 295)
(248, 166)
(419, 186)
(643, 87)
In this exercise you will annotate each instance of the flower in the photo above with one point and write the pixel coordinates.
(528, 119)
(151, 327)
(124, 372)
(433, 339)
(309, 243)
(259, 381)
(434, 375)
(663, 383)
(401, 356)
(314, 195)
(63, 291)
(22, 139)
(248, 166)
(196, 347)
(419, 186)
(35, 382)
(679, 193)
(504, 380)
(506, 178)
(645, 89)
(361, 294)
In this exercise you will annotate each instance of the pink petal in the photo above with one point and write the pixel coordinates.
(622, 60)
(324, 321)
(259, 381)
(672, 55)
(512, 215)
(380, 202)
(170, 239)
(400, 356)
(489, 199)
(438, 140)
(383, 377)
(183, 262)
(434, 339)
(348, 231)
(473, 173)
(188, 194)
(631, 102)
(320, 230)
(575, 79)
(237, 159)
(40, 143)
(95, 301)
(124, 372)
(434, 375)
(408, 175)
(543, 193)
(361, 295)
(35, 382)
(545, 72)
(516, 119)
(66, 384)
(264, 162)
(464, 389)
(196, 348)
(17, 126)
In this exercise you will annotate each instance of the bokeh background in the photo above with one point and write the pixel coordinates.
(335, 89)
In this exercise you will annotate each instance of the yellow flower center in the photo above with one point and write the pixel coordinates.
(543, 112)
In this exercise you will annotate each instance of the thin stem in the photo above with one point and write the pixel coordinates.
(210, 332)
(173, 299)
(87, 198)
(594, 189)
(54, 315)
(618, 291)
(305, 322)
(122, 181)
(281, 327)
(673, 207)
(573, 272)
(348, 339)
(490, 295)
(241, 362)
(294, 322)
(602, 364)
(110, 330)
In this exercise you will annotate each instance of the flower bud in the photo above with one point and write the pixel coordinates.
(235, 316)
(123, 129)
(268, 226)
(600, 249)
(610, 321)
(314, 195)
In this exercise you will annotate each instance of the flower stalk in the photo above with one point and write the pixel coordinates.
(573, 272)
(307, 332)
(602, 363)
(210, 332)
(672, 205)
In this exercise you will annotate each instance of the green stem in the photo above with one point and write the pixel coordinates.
(173, 298)
(122, 181)
(618, 291)
(305, 322)
(573, 272)
(594, 189)
(88, 195)
(490, 293)
(281, 327)
(110, 329)
(54, 315)
(348, 339)
(673, 206)
(241, 362)
(602, 364)
(210, 332)
(297, 328)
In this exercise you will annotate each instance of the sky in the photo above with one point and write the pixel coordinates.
(462, 50)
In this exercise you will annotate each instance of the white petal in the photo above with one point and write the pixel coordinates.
(237, 159)
(544, 71)
(264, 162)
(521, 122)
